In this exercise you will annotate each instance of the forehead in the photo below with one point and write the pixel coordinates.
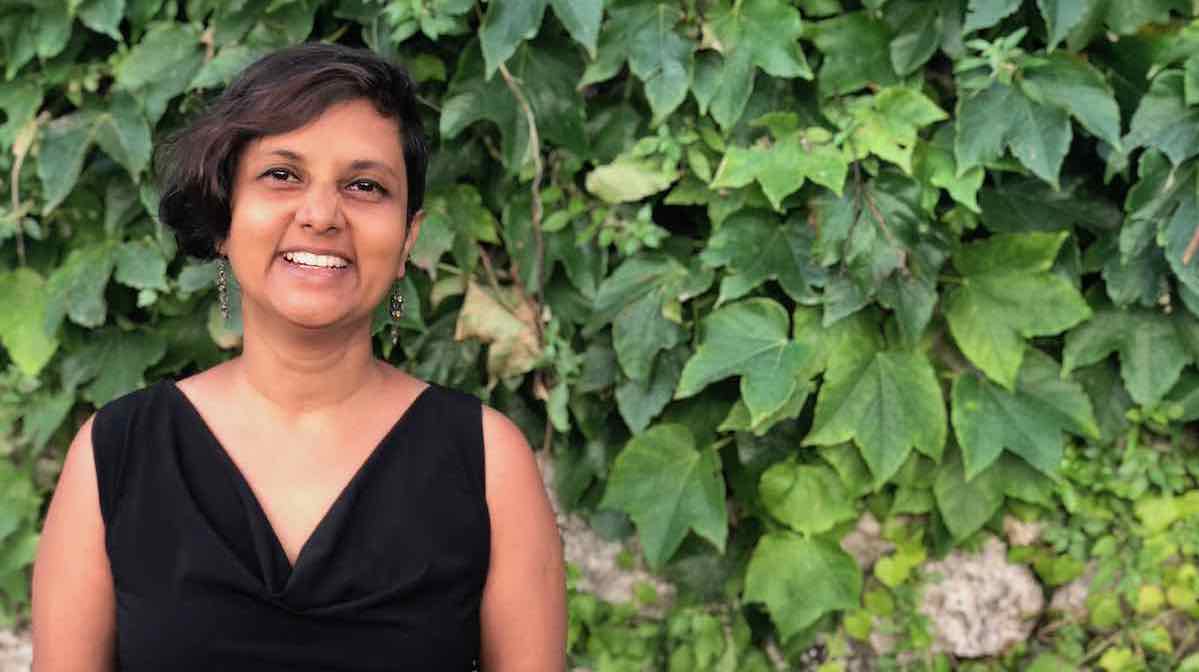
(345, 132)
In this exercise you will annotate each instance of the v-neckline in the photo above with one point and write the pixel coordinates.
(244, 483)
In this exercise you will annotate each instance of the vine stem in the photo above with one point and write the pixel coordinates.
(20, 149)
(538, 168)
(1192, 247)
(533, 298)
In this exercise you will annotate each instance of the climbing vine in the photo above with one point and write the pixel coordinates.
(748, 270)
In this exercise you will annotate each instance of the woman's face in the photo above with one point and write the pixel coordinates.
(318, 233)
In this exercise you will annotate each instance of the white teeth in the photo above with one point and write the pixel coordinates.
(319, 260)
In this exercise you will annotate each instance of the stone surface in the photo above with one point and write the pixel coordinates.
(597, 558)
(16, 650)
(1020, 533)
(1070, 600)
(866, 543)
(981, 604)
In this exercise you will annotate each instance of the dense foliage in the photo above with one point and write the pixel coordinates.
(748, 268)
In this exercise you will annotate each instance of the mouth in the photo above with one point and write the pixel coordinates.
(313, 260)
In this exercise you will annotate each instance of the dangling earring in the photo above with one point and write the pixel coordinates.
(397, 311)
(222, 288)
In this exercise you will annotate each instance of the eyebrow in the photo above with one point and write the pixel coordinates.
(358, 164)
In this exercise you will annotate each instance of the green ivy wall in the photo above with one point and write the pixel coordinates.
(748, 268)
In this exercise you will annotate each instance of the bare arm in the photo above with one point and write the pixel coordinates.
(74, 608)
(523, 616)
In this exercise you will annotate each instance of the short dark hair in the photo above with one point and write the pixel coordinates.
(278, 93)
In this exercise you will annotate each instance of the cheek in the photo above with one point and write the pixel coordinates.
(256, 218)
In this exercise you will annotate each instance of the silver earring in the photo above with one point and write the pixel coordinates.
(396, 309)
(222, 288)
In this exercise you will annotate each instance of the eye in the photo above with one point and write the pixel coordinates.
(279, 174)
(368, 187)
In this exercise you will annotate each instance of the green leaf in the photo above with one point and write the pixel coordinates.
(1061, 16)
(103, 16)
(1028, 420)
(628, 179)
(45, 414)
(1152, 349)
(1164, 121)
(755, 247)
(547, 75)
(783, 167)
(750, 339)
(162, 50)
(886, 124)
(76, 288)
(917, 37)
(1007, 294)
(887, 402)
(644, 33)
(856, 51)
(1022, 205)
(228, 62)
(64, 146)
(809, 498)
(582, 20)
(507, 24)
(1069, 83)
(668, 487)
(639, 402)
(934, 164)
(1000, 116)
(632, 300)
(22, 330)
(140, 265)
(784, 566)
(52, 27)
(967, 504)
(986, 13)
(751, 34)
(124, 134)
(115, 362)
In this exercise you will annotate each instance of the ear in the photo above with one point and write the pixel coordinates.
(220, 247)
(410, 237)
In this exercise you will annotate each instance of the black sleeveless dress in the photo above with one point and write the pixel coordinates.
(391, 578)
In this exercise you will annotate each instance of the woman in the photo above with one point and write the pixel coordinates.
(304, 505)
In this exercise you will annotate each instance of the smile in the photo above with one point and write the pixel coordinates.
(315, 260)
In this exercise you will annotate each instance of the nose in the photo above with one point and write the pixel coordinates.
(320, 210)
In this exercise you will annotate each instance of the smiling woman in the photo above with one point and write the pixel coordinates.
(304, 505)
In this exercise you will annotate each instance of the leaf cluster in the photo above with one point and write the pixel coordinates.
(749, 269)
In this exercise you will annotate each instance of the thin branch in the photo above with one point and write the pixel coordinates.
(1192, 247)
(20, 150)
(538, 172)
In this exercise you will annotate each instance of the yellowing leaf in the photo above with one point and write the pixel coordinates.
(627, 179)
(506, 324)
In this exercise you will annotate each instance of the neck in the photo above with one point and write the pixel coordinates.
(300, 373)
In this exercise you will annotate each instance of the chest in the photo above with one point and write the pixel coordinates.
(296, 473)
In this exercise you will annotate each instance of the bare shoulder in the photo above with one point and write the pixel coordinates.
(523, 615)
(74, 612)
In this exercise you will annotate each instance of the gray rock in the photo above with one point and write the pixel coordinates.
(16, 650)
(597, 558)
(866, 543)
(981, 604)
